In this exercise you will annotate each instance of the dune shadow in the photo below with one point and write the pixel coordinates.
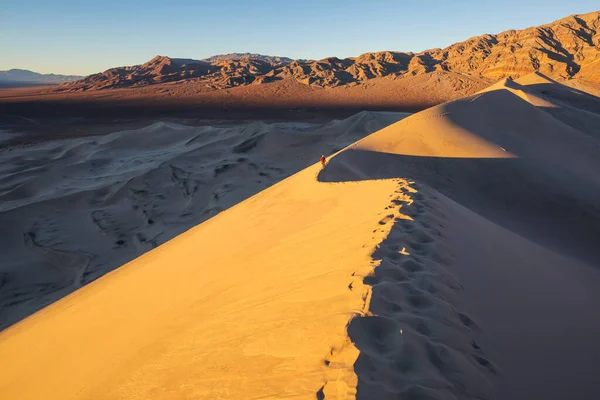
(518, 194)
(415, 341)
(572, 96)
(205, 105)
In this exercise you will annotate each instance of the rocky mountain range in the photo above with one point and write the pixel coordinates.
(565, 49)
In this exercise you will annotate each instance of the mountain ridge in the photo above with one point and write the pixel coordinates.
(27, 76)
(249, 56)
(563, 49)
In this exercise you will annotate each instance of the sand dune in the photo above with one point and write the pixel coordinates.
(519, 147)
(450, 255)
(74, 209)
(517, 203)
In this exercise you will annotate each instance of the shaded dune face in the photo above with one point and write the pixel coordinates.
(502, 157)
(415, 340)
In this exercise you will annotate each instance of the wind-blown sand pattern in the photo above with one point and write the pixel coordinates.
(447, 256)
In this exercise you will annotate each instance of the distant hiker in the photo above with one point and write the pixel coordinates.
(323, 161)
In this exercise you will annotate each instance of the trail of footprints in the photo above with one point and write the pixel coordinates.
(414, 343)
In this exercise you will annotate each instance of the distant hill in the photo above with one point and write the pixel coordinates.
(273, 60)
(22, 76)
(565, 49)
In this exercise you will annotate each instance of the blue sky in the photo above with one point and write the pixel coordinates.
(84, 37)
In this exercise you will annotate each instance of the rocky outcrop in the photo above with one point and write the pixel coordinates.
(566, 48)
(159, 69)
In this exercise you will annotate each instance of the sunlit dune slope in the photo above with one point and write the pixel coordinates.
(249, 303)
(74, 209)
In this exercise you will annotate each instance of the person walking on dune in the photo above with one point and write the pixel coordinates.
(322, 161)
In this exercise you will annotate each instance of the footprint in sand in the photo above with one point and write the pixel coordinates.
(421, 249)
(433, 230)
(485, 363)
(406, 225)
(411, 290)
(320, 394)
(467, 321)
(412, 266)
(417, 196)
(422, 237)
(386, 219)
(419, 299)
